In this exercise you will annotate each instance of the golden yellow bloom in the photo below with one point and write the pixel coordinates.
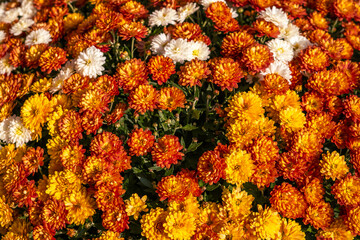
(241, 133)
(237, 203)
(7, 157)
(232, 230)
(62, 184)
(35, 110)
(281, 102)
(72, 20)
(209, 214)
(347, 190)
(21, 227)
(245, 105)
(333, 166)
(80, 206)
(152, 224)
(337, 230)
(41, 188)
(189, 205)
(5, 212)
(64, 100)
(291, 230)
(292, 119)
(239, 167)
(179, 225)
(53, 120)
(135, 205)
(6, 110)
(40, 86)
(55, 146)
(13, 236)
(266, 223)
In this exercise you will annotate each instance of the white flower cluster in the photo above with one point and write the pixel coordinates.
(12, 130)
(65, 72)
(90, 62)
(179, 50)
(166, 16)
(286, 46)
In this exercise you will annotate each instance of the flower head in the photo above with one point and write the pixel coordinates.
(37, 37)
(90, 62)
(166, 151)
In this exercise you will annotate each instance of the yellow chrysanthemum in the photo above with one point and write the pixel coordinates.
(62, 184)
(6, 110)
(35, 110)
(237, 203)
(41, 188)
(239, 167)
(7, 157)
(64, 100)
(209, 214)
(13, 236)
(80, 206)
(41, 85)
(152, 224)
(245, 105)
(337, 230)
(135, 205)
(5, 213)
(291, 230)
(266, 223)
(21, 227)
(180, 225)
(282, 102)
(189, 205)
(333, 166)
(72, 20)
(53, 120)
(241, 132)
(232, 230)
(292, 119)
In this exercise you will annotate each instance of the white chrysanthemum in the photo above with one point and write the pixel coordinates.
(18, 134)
(37, 37)
(199, 50)
(289, 31)
(159, 42)
(178, 50)
(234, 13)
(163, 17)
(299, 43)
(28, 9)
(90, 62)
(2, 35)
(65, 72)
(282, 50)
(4, 133)
(23, 25)
(5, 66)
(185, 11)
(275, 15)
(10, 15)
(206, 3)
(278, 67)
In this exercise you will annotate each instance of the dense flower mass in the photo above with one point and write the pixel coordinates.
(184, 120)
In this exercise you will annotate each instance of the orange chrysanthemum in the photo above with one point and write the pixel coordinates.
(54, 214)
(72, 157)
(52, 59)
(133, 10)
(318, 20)
(171, 98)
(116, 114)
(33, 54)
(131, 74)
(344, 9)
(74, 83)
(70, 127)
(352, 220)
(266, 28)
(275, 84)
(313, 191)
(91, 121)
(140, 142)
(191, 73)
(288, 201)
(352, 107)
(264, 150)
(329, 82)
(234, 43)
(313, 59)
(144, 98)
(186, 30)
(320, 215)
(94, 100)
(211, 167)
(161, 68)
(135, 30)
(347, 190)
(172, 188)
(105, 144)
(116, 219)
(226, 73)
(257, 57)
(33, 159)
(312, 102)
(166, 151)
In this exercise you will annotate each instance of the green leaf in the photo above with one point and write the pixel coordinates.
(145, 182)
(212, 187)
(189, 127)
(155, 168)
(193, 146)
(196, 114)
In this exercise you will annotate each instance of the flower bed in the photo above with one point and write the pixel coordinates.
(173, 119)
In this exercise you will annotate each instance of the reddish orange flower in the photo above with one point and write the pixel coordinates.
(54, 214)
(105, 144)
(116, 219)
(33, 54)
(211, 167)
(172, 188)
(312, 102)
(108, 197)
(274, 84)
(133, 30)
(257, 57)
(318, 36)
(161, 68)
(352, 107)
(52, 59)
(226, 73)
(166, 151)
(264, 175)
(171, 98)
(329, 82)
(352, 34)
(191, 181)
(144, 98)
(313, 59)
(234, 43)
(33, 159)
(133, 10)
(116, 114)
(344, 9)
(313, 191)
(24, 194)
(266, 28)
(91, 121)
(70, 126)
(72, 157)
(264, 150)
(189, 31)
(218, 12)
(347, 191)
(318, 20)
(191, 73)
(43, 233)
(94, 99)
(131, 74)
(108, 84)
(288, 201)
(320, 215)
(140, 142)
(74, 83)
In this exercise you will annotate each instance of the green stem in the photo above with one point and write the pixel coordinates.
(132, 47)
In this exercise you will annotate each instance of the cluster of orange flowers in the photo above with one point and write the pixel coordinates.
(100, 97)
